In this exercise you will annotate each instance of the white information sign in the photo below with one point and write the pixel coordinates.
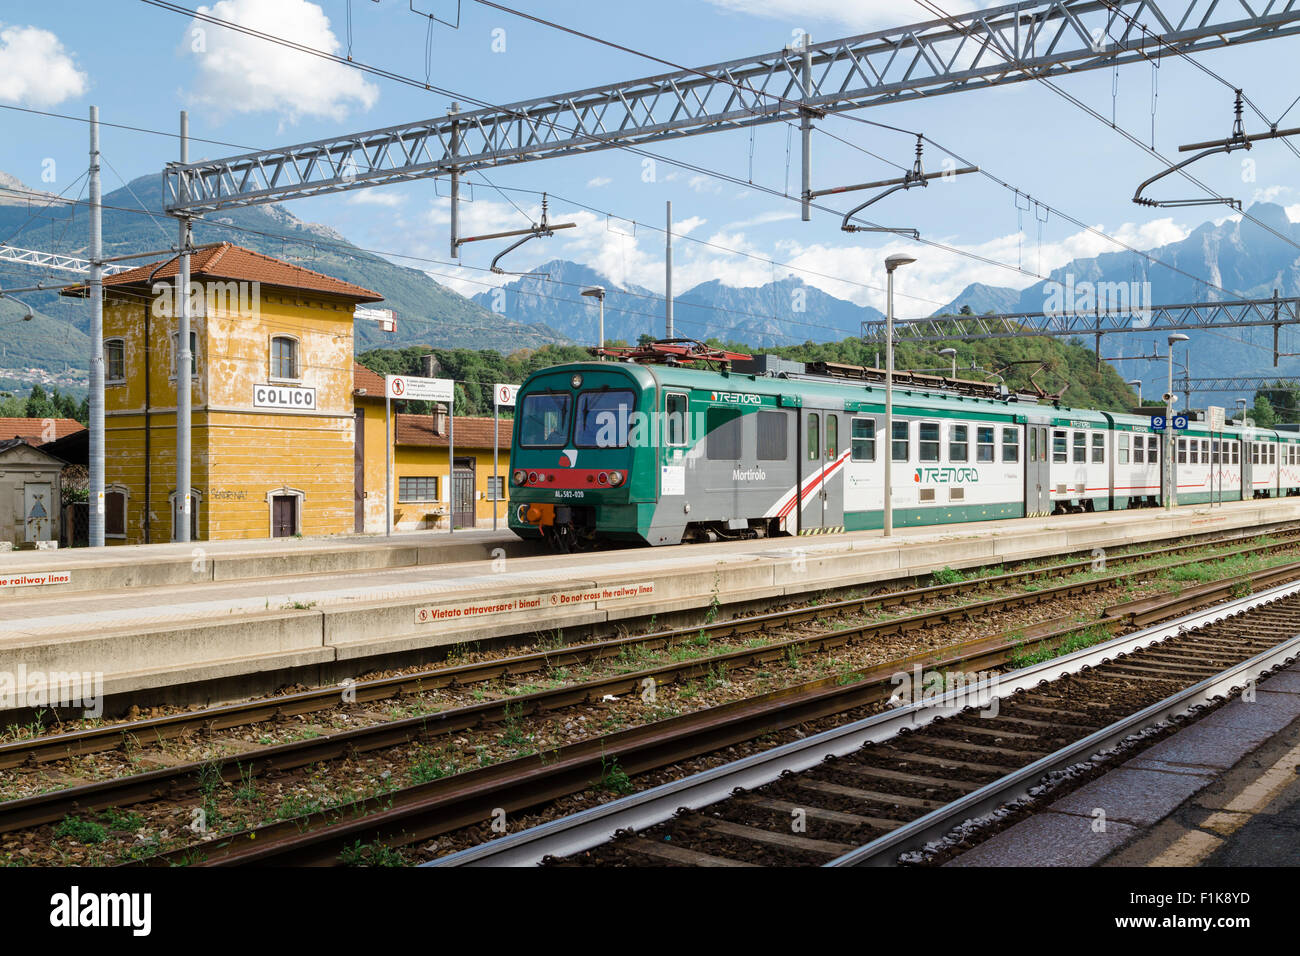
(505, 395)
(419, 389)
(1215, 414)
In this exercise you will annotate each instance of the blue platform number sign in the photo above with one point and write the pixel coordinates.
(1158, 422)
(1180, 423)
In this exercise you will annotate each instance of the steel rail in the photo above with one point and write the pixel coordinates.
(593, 827)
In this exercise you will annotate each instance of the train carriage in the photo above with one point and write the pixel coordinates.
(660, 452)
(1207, 465)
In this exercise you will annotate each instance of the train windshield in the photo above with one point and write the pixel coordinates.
(544, 420)
(603, 419)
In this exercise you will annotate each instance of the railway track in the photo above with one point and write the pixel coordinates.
(210, 720)
(418, 813)
(174, 782)
(865, 792)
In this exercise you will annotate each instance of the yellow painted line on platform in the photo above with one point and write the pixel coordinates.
(1195, 845)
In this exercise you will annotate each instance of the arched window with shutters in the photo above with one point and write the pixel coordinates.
(284, 359)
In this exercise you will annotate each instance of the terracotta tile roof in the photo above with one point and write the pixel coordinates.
(228, 261)
(33, 429)
(470, 432)
(372, 382)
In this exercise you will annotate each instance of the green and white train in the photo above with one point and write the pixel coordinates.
(662, 453)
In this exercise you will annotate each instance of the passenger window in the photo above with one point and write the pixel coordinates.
(1122, 447)
(984, 444)
(1205, 450)
(900, 442)
(1153, 449)
(675, 421)
(832, 437)
(1060, 448)
(928, 444)
(1010, 445)
(1098, 448)
(1033, 444)
(772, 431)
(814, 437)
(724, 430)
(959, 444)
(1080, 447)
(864, 439)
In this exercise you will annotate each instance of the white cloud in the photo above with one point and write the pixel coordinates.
(35, 69)
(242, 74)
(704, 184)
(598, 181)
(854, 14)
(684, 227)
(1293, 212)
(763, 219)
(373, 197)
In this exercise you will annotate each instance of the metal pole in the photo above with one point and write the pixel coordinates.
(496, 443)
(96, 495)
(184, 358)
(668, 274)
(1171, 496)
(388, 462)
(451, 460)
(889, 405)
(602, 321)
(455, 188)
(805, 130)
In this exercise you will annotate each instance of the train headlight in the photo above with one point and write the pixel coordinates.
(520, 476)
(532, 477)
(615, 477)
(603, 478)
(576, 381)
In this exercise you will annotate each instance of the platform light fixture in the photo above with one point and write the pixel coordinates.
(893, 262)
(1136, 383)
(950, 354)
(1171, 489)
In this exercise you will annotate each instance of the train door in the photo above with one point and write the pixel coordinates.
(832, 485)
(1249, 453)
(813, 455)
(1038, 486)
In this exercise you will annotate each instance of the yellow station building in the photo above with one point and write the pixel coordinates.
(285, 436)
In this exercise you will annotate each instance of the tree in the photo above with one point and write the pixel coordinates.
(1263, 412)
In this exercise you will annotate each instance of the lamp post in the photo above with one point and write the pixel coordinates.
(598, 292)
(1171, 497)
(1241, 413)
(1136, 383)
(891, 263)
(950, 354)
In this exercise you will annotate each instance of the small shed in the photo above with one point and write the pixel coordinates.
(30, 493)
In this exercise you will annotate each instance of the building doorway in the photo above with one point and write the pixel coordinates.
(462, 494)
(284, 516)
(359, 473)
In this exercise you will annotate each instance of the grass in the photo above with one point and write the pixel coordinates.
(946, 575)
(613, 779)
(1045, 652)
(430, 767)
(372, 854)
(83, 831)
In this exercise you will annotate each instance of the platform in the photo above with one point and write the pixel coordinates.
(252, 618)
(1222, 791)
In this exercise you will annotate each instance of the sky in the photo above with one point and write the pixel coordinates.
(142, 64)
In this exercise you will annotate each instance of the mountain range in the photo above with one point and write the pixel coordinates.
(545, 306)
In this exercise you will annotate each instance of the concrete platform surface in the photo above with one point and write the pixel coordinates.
(1223, 791)
(249, 620)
